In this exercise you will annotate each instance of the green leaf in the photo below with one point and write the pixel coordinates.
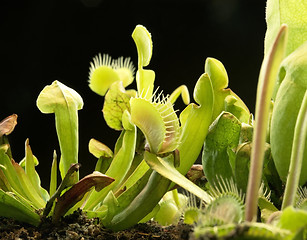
(115, 103)
(145, 82)
(218, 75)
(133, 186)
(245, 230)
(97, 214)
(19, 180)
(223, 134)
(10, 172)
(99, 149)
(270, 176)
(293, 219)
(141, 204)
(103, 153)
(11, 207)
(64, 102)
(112, 205)
(150, 215)
(288, 101)
(195, 121)
(127, 194)
(183, 90)
(103, 164)
(233, 105)
(168, 213)
(246, 134)
(167, 170)
(28, 188)
(292, 13)
(4, 183)
(137, 174)
(34, 178)
(118, 169)
(297, 155)
(266, 207)
(143, 42)
(144, 78)
(242, 159)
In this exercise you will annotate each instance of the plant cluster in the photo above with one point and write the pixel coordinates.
(248, 163)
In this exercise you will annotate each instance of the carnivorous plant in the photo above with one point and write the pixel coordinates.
(248, 163)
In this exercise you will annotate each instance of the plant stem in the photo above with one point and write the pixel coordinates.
(297, 155)
(266, 83)
(176, 197)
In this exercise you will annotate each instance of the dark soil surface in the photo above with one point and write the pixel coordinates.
(77, 226)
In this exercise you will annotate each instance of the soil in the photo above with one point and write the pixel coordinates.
(77, 226)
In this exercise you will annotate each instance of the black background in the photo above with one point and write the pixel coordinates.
(47, 40)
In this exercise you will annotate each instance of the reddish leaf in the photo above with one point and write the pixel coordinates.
(8, 124)
(77, 192)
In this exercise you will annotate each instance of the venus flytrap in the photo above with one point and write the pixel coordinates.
(160, 115)
(127, 211)
(220, 100)
(156, 148)
(144, 77)
(192, 211)
(301, 200)
(22, 197)
(105, 71)
(226, 207)
(119, 165)
(64, 102)
(156, 186)
(158, 122)
(288, 98)
(143, 188)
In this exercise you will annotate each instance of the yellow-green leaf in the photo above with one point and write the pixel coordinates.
(142, 39)
(292, 13)
(116, 102)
